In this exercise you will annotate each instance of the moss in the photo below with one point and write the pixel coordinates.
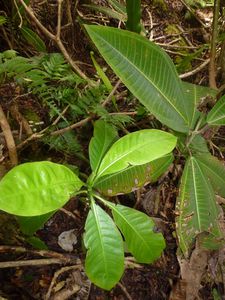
(160, 4)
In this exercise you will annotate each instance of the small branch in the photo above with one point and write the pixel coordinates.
(55, 37)
(31, 262)
(76, 125)
(44, 253)
(124, 291)
(108, 99)
(8, 138)
(58, 33)
(196, 70)
(212, 65)
(55, 277)
(36, 21)
(20, 119)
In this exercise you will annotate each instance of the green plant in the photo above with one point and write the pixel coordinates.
(150, 75)
(15, 24)
(118, 166)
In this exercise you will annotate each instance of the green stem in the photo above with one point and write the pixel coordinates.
(105, 202)
(80, 192)
(133, 15)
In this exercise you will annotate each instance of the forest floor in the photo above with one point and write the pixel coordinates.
(180, 32)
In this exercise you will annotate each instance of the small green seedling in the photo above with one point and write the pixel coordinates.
(118, 166)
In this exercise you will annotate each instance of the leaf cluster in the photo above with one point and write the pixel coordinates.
(135, 159)
(150, 75)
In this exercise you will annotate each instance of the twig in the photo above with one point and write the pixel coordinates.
(55, 37)
(73, 126)
(68, 213)
(43, 253)
(55, 277)
(124, 291)
(58, 32)
(193, 13)
(8, 138)
(60, 116)
(19, 14)
(196, 70)
(108, 99)
(212, 65)
(20, 119)
(31, 262)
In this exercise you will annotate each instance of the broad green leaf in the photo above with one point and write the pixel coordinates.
(29, 225)
(133, 9)
(132, 178)
(136, 148)
(198, 144)
(215, 171)
(196, 204)
(138, 231)
(197, 93)
(194, 95)
(104, 264)
(107, 11)
(33, 39)
(217, 114)
(104, 136)
(121, 8)
(37, 188)
(147, 71)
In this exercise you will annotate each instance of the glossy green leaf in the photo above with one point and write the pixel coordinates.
(132, 178)
(33, 39)
(147, 71)
(104, 136)
(217, 114)
(138, 231)
(37, 188)
(215, 171)
(196, 204)
(104, 264)
(136, 148)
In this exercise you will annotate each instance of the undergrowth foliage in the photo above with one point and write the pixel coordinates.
(120, 165)
(57, 87)
(44, 187)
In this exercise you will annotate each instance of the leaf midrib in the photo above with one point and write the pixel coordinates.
(130, 225)
(148, 79)
(126, 154)
(215, 112)
(195, 191)
(101, 240)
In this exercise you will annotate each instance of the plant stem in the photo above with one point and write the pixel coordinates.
(8, 138)
(106, 203)
(212, 66)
